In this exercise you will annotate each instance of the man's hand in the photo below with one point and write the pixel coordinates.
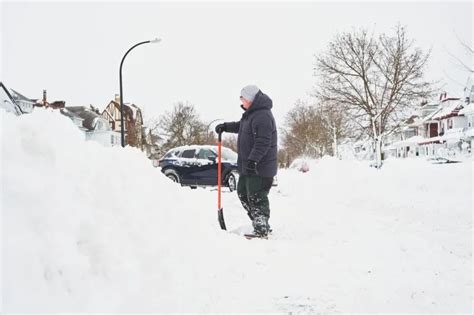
(220, 128)
(252, 167)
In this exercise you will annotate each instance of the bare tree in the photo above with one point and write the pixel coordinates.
(305, 133)
(336, 122)
(230, 141)
(469, 55)
(182, 126)
(378, 79)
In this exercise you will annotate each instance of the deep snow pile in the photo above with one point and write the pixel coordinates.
(93, 229)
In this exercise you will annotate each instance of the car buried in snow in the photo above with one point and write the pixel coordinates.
(196, 165)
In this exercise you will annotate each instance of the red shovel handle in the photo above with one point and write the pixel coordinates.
(220, 212)
(219, 171)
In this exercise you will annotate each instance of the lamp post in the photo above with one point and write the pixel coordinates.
(122, 130)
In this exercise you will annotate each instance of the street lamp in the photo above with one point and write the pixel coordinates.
(122, 131)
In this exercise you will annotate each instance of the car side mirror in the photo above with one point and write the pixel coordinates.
(212, 158)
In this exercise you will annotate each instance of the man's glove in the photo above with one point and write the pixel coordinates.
(220, 128)
(252, 167)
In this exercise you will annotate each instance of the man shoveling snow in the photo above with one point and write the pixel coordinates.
(257, 155)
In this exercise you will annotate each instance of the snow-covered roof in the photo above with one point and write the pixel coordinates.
(409, 141)
(449, 109)
(18, 96)
(437, 139)
(7, 102)
(430, 116)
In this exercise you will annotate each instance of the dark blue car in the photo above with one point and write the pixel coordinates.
(196, 165)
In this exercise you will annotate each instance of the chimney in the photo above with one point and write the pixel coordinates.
(44, 98)
(443, 96)
(117, 98)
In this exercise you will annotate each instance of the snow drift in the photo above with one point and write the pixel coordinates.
(92, 229)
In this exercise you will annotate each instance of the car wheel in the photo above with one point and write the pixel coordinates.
(231, 182)
(171, 174)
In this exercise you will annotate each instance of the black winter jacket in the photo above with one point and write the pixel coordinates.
(257, 139)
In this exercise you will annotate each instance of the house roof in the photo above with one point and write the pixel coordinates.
(130, 108)
(13, 105)
(437, 139)
(448, 110)
(20, 97)
(430, 118)
(88, 116)
(409, 141)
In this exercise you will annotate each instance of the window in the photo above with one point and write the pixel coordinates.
(205, 153)
(188, 154)
(450, 123)
(172, 154)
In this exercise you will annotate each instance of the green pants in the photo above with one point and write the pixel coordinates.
(253, 194)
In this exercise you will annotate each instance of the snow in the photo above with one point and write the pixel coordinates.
(467, 110)
(448, 108)
(409, 141)
(87, 228)
(453, 135)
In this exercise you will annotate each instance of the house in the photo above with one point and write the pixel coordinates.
(14, 102)
(76, 119)
(93, 125)
(451, 126)
(7, 102)
(437, 130)
(133, 121)
(408, 134)
(432, 142)
(363, 149)
(45, 104)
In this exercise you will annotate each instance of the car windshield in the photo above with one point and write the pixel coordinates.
(229, 155)
(204, 154)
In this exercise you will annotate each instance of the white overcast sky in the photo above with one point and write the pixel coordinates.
(209, 51)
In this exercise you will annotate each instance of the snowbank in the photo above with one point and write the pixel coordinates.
(92, 229)
(89, 228)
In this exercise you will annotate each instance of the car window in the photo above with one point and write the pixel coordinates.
(205, 153)
(188, 154)
(172, 154)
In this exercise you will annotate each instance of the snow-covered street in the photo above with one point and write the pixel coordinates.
(93, 229)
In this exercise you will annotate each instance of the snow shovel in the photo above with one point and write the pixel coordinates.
(220, 213)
